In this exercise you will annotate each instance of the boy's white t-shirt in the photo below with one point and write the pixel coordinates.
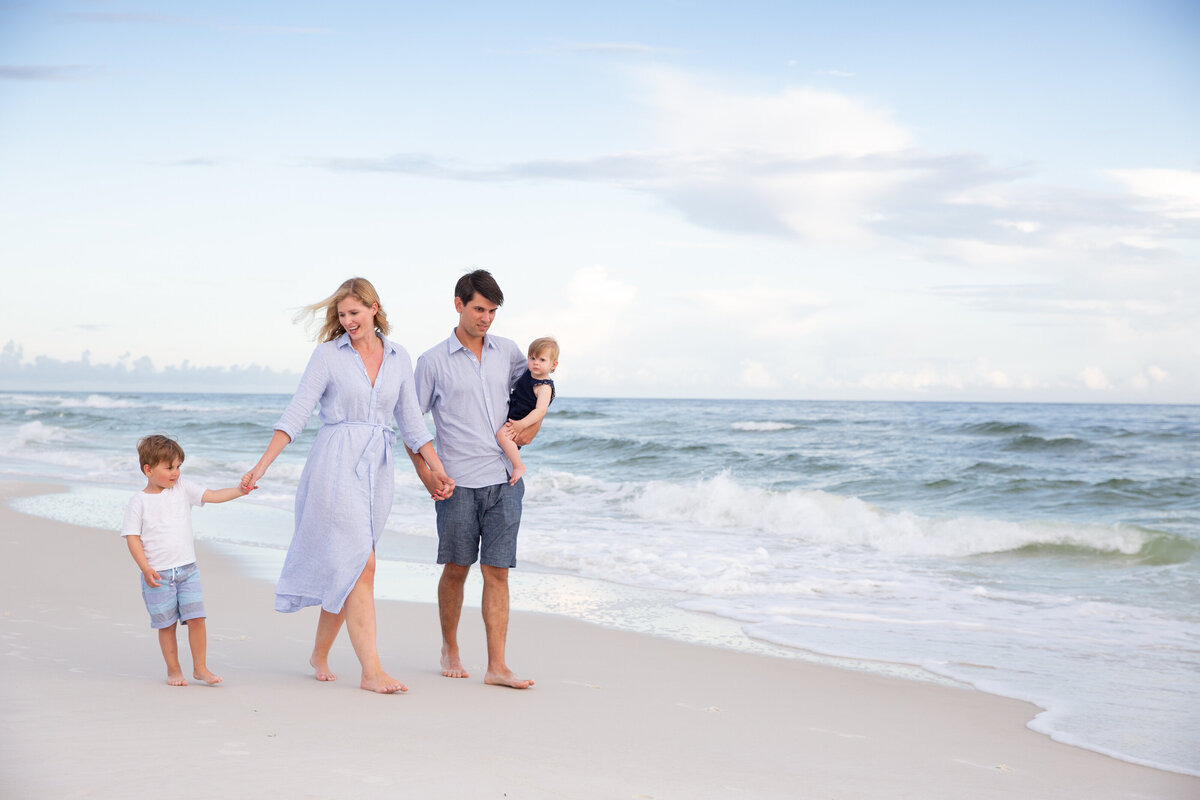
(164, 521)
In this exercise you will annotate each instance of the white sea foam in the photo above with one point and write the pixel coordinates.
(819, 517)
(762, 426)
(102, 402)
(36, 432)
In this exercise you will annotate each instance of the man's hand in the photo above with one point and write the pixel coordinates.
(525, 435)
(439, 485)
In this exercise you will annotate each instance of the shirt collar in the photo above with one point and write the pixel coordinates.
(454, 344)
(388, 346)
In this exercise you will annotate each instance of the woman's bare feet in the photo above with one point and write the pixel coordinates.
(204, 674)
(321, 667)
(382, 683)
(175, 678)
(506, 678)
(452, 665)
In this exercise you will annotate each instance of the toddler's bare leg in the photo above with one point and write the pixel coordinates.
(514, 455)
(170, 651)
(198, 641)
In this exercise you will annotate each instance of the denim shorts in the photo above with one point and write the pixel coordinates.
(178, 596)
(480, 524)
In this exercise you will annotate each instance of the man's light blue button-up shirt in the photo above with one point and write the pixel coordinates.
(469, 401)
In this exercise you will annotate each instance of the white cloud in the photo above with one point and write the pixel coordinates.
(921, 380)
(589, 320)
(756, 376)
(770, 313)
(1094, 378)
(1176, 191)
(1149, 377)
(694, 115)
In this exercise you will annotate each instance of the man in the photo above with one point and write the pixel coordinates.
(465, 381)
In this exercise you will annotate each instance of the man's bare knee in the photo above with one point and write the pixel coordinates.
(455, 573)
(496, 575)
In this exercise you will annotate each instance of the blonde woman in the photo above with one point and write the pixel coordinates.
(362, 382)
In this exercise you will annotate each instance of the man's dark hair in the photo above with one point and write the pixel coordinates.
(480, 281)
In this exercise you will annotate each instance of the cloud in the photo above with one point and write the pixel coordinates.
(770, 313)
(127, 374)
(1094, 378)
(834, 171)
(588, 320)
(921, 380)
(197, 161)
(45, 72)
(1175, 192)
(1150, 376)
(824, 167)
(616, 48)
(756, 376)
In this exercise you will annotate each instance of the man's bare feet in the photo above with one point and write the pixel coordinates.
(321, 666)
(207, 676)
(518, 471)
(452, 665)
(382, 683)
(176, 679)
(506, 678)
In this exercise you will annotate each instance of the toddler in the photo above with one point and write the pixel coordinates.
(158, 531)
(530, 397)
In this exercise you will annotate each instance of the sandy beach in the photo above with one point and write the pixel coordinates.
(87, 713)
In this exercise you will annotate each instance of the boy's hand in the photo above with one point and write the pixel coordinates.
(250, 480)
(153, 579)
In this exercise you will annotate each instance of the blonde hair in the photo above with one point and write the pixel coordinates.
(546, 344)
(157, 449)
(358, 288)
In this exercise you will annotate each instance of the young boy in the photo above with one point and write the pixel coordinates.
(158, 530)
(531, 396)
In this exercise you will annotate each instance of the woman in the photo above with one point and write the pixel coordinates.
(362, 381)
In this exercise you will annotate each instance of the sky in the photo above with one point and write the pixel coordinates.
(811, 200)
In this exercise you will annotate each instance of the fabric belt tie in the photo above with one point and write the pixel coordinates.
(383, 438)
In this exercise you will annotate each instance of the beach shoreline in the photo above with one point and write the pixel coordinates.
(613, 714)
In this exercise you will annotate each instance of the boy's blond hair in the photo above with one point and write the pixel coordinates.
(546, 345)
(157, 449)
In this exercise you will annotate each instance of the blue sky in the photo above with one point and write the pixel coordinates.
(939, 201)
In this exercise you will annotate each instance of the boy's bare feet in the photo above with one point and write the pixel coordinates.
(382, 683)
(518, 471)
(175, 678)
(321, 666)
(452, 665)
(506, 678)
(207, 676)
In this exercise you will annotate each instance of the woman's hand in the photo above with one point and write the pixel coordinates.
(445, 483)
(250, 479)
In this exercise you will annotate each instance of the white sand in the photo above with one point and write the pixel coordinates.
(86, 711)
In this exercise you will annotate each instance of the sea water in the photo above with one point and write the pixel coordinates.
(1043, 552)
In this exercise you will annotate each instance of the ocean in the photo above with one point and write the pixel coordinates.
(1042, 552)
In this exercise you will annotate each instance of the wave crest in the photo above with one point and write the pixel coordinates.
(817, 517)
(759, 427)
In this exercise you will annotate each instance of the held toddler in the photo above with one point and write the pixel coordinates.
(158, 531)
(530, 397)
